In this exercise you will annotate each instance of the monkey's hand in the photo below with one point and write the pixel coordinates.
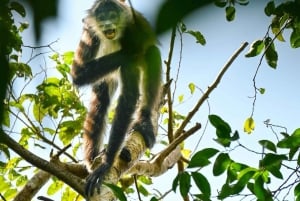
(95, 180)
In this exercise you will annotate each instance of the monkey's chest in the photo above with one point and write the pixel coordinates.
(108, 47)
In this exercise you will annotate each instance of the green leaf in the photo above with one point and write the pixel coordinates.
(223, 128)
(222, 162)
(192, 87)
(270, 8)
(18, 8)
(118, 192)
(21, 181)
(262, 90)
(243, 2)
(268, 145)
(259, 189)
(68, 57)
(243, 180)
(276, 28)
(175, 183)
(220, 3)
(198, 36)
(145, 180)
(9, 194)
(230, 13)
(6, 118)
(54, 187)
(154, 199)
(184, 183)
(297, 190)
(272, 163)
(202, 183)
(226, 191)
(5, 151)
(143, 190)
(270, 54)
(291, 142)
(295, 39)
(68, 130)
(200, 159)
(255, 48)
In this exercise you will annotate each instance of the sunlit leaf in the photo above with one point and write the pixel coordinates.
(54, 187)
(9, 194)
(192, 87)
(180, 98)
(276, 28)
(249, 125)
(198, 36)
(255, 48)
(143, 190)
(68, 57)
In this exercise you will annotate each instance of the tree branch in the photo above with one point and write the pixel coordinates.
(209, 90)
(33, 186)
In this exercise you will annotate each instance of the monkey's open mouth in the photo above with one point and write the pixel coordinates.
(110, 33)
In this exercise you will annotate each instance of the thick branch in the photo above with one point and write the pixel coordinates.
(72, 180)
(33, 186)
(209, 90)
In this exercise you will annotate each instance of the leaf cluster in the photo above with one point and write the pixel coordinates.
(240, 177)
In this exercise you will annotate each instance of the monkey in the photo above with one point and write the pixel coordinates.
(118, 48)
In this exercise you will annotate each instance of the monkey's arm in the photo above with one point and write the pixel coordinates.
(85, 68)
(91, 71)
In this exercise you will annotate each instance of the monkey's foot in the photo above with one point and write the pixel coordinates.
(145, 127)
(94, 180)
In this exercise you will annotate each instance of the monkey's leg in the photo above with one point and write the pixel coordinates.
(124, 111)
(151, 85)
(95, 123)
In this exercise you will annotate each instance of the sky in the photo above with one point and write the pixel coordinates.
(201, 64)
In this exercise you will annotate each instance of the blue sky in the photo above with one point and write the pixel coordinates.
(200, 65)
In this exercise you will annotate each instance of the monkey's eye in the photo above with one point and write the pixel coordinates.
(113, 15)
(101, 17)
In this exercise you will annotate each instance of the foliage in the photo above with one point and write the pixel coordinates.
(45, 113)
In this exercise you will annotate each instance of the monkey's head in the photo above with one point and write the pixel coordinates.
(108, 18)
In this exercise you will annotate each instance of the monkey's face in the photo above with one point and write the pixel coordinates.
(110, 24)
